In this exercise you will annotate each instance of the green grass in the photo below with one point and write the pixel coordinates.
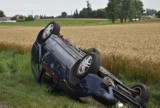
(72, 22)
(62, 22)
(154, 89)
(19, 89)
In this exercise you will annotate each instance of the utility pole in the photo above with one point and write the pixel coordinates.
(88, 4)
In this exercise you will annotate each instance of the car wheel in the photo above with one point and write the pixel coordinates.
(143, 94)
(93, 50)
(89, 64)
(39, 37)
(51, 28)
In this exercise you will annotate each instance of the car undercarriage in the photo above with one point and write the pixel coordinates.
(78, 72)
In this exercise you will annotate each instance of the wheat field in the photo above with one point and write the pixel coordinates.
(141, 41)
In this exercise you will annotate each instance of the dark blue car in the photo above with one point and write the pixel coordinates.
(78, 72)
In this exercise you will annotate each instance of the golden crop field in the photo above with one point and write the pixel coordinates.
(140, 41)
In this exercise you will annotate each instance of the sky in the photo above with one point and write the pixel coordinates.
(56, 7)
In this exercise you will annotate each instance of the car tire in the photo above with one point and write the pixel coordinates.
(90, 63)
(143, 96)
(56, 29)
(93, 50)
(51, 28)
(39, 37)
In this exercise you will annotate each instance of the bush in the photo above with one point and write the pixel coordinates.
(2, 13)
(158, 14)
(29, 18)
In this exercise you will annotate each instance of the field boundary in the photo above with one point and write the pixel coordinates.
(132, 69)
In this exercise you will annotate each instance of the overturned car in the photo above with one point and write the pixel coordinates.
(78, 72)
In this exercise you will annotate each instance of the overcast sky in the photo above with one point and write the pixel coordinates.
(55, 7)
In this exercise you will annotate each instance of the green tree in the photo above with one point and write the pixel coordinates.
(29, 18)
(132, 10)
(86, 13)
(124, 6)
(2, 13)
(76, 15)
(113, 10)
(158, 14)
(139, 9)
(135, 10)
(150, 12)
(100, 14)
(89, 13)
(63, 15)
(21, 17)
(14, 18)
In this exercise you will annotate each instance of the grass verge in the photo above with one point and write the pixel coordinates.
(73, 22)
(19, 89)
(62, 22)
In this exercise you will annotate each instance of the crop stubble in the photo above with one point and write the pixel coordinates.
(141, 41)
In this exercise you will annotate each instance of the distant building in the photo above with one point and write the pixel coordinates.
(148, 17)
(6, 19)
(17, 17)
(20, 18)
(37, 17)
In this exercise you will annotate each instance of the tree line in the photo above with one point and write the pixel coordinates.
(115, 9)
(89, 13)
(2, 14)
(124, 9)
(19, 18)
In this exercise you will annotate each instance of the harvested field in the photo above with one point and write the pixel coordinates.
(139, 41)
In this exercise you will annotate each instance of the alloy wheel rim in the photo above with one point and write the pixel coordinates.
(48, 31)
(84, 65)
